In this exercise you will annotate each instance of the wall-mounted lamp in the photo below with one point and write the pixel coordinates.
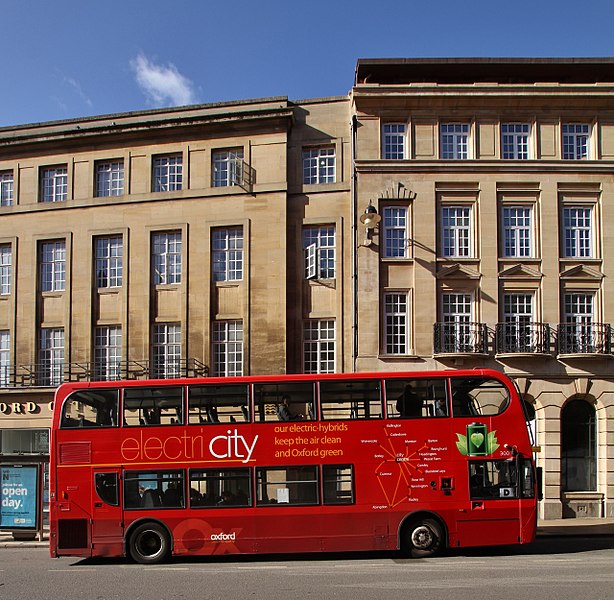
(370, 218)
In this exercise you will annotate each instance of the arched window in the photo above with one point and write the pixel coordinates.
(578, 447)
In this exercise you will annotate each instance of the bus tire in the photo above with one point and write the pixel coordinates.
(423, 538)
(149, 544)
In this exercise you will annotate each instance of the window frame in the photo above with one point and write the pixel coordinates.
(319, 346)
(394, 140)
(166, 257)
(517, 239)
(6, 269)
(7, 187)
(457, 240)
(166, 342)
(397, 323)
(51, 355)
(108, 261)
(167, 173)
(54, 184)
(109, 178)
(395, 232)
(319, 247)
(227, 348)
(227, 253)
(5, 357)
(576, 140)
(107, 352)
(578, 240)
(319, 165)
(515, 141)
(458, 146)
(52, 265)
(227, 166)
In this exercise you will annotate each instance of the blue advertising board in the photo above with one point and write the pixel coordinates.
(19, 496)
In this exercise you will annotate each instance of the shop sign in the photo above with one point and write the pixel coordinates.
(23, 408)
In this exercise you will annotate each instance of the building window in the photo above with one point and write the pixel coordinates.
(518, 319)
(457, 322)
(108, 353)
(396, 321)
(51, 356)
(578, 447)
(6, 269)
(109, 261)
(166, 351)
(577, 231)
(319, 346)
(110, 178)
(227, 254)
(54, 184)
(517, 229)
(395, 232)
(227, 167)
(581, 335)
(5, 358)
(227, 348)
(393, 141)
(319, 248)
(456, 232)
(168, 173)
(576, 138)
(515, 141)
(53, 266)
(6, 188)
(454, 140)
(166, 251)
(319, 165)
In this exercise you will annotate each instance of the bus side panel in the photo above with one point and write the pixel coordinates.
(70, 531)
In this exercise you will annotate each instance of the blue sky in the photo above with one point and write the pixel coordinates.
(64, 59)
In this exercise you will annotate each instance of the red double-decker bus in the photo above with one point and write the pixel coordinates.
(295, 463)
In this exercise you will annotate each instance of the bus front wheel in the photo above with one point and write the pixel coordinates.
(423, 538)
(149, 544)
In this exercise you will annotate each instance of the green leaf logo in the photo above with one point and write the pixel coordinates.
(461, 444)
(491, 443)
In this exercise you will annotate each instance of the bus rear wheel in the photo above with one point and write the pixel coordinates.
(149, 544)
(423, 538)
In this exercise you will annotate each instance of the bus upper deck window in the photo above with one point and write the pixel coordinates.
(473, 396)
(284, 401)
(153, 406)
(90, 408)
(228, 403)
(416, 398)
(356, 399)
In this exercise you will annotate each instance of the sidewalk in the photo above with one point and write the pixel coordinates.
(553, 528)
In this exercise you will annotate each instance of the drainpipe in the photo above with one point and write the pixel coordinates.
(354, 253)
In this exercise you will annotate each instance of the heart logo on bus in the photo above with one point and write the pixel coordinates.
(477, 439)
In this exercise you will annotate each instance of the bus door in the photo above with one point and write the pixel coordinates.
(107, 519)
(493, 514)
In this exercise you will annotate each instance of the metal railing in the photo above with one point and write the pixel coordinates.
(460, 338)
(584, 338)
(46, 375)
(523, 338)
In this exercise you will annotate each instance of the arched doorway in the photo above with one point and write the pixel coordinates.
(578, 447)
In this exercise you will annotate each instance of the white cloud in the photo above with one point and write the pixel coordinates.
(163, 85)
(77, 88)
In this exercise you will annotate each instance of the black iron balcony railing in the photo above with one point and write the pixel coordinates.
(52, 375)
(460, 338)
(584, 338)
(523, 338)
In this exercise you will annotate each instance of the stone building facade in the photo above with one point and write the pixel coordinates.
(445, 213)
